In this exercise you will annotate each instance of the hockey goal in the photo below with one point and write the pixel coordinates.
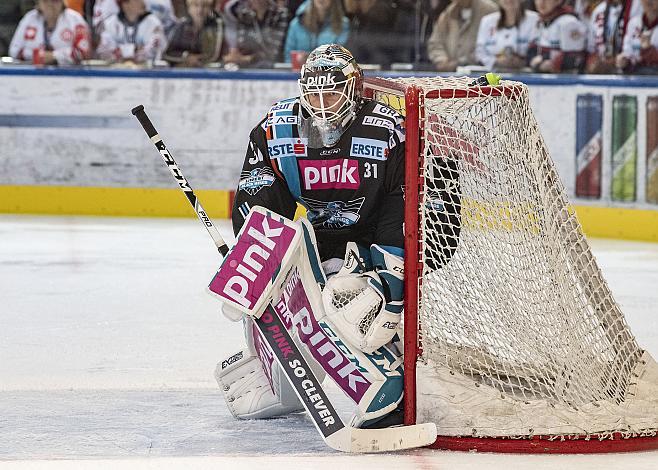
(513, 341)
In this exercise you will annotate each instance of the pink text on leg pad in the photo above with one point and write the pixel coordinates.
(253, 261)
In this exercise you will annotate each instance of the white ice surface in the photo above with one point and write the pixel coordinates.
(108, 343)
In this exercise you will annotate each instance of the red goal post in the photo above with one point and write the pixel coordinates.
(514, 316)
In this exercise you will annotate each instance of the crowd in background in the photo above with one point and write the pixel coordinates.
(575, 36)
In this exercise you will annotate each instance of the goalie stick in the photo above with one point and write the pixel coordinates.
(306, 385)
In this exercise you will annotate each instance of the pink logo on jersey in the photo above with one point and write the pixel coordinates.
(253, 261)
(330, 174)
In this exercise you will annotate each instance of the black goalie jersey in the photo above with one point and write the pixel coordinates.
(352, 191)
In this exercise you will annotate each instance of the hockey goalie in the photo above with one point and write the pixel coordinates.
(340, 156)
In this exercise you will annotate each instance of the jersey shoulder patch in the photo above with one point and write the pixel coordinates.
(281, 120)
(283, 106)
(377, 114)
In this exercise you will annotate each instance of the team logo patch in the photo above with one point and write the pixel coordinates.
(334, 214)
(253, 181)
(378, 122)
(286, 147)
(330, 174)
(369, 148)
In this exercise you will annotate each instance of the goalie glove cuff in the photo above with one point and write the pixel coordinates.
(389, 265)
(357, 260)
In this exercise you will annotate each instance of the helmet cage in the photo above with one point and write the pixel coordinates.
(328, 96)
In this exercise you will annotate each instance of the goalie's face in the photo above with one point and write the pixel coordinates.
(328, 97)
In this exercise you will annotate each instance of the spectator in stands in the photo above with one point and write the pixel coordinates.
(317, 22)
(197, 39)
(429, 13)
(291, 6)
(453, 38)
(560, 42)
(605, 35)
(630, 8)
(97, 11)
(180, 8)
(404, 30)
(584, 9)
(504, 36)
(255, 30)
(134, 35)
(51, 34)
(640, 45)
(164, 10)
(11, 12)
(100, 10)
(375, 36)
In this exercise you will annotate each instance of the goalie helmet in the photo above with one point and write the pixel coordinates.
(331, 88)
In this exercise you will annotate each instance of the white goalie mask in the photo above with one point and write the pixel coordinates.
(331, 88)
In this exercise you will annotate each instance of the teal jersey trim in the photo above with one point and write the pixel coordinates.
(285, 130)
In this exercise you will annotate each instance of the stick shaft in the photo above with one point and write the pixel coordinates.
(168, 158)
(270, 324)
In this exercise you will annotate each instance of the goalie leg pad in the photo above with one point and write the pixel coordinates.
(248, 392)
(385, 367)
(254, 385)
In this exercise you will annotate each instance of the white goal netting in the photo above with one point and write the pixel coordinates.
(519, 332)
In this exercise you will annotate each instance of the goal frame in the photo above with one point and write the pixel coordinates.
(414, 110)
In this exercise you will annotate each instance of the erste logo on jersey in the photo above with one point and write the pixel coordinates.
(330, 174)
(286, 147)
(368, 148)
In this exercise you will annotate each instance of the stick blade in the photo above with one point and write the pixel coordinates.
(392, 439)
